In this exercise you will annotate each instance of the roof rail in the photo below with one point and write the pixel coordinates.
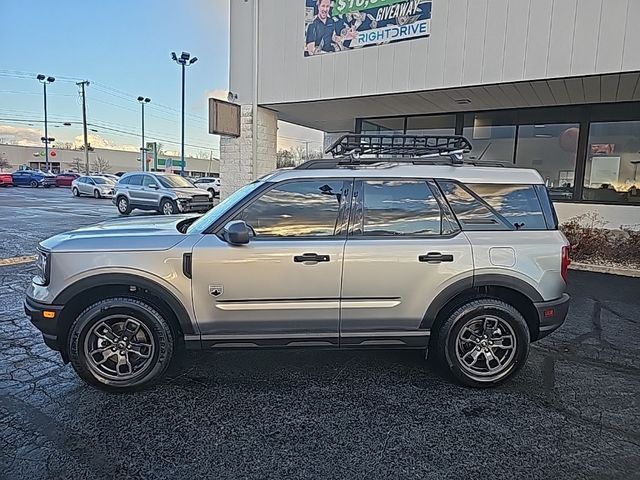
(354, 145)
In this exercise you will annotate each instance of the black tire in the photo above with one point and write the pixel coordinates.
(96, 194)
(168, 207)
(124, 207)
(75, 192)
(33, 184)
(451, 347)
(152, 328)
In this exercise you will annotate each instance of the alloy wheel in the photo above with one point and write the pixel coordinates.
(119, 348)
(486, 347)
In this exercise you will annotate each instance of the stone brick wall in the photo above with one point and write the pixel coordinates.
(236, 165)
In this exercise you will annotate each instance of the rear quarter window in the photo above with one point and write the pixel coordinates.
(519, 204)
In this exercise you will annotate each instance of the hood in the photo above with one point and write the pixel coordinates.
(148, 233)
(190, 191)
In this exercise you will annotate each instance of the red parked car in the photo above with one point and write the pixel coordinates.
(6, 180)
(65, 179)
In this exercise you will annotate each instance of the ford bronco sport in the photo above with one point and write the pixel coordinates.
(410, 248)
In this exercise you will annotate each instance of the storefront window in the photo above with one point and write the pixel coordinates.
(613, 155)
(431, 125)
(394, 125)
(492, 135)
(551, 149)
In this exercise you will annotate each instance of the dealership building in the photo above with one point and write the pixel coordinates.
(545, 84)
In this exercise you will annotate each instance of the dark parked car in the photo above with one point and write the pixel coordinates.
(6, 180)
(33, 178)
(65, 179)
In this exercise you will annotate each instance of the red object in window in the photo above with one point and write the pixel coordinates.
(566, 261)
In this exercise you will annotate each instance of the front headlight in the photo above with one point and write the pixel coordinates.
(43, 264)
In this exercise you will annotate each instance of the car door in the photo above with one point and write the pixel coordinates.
(150, 191)
(404, 248)
(134, 187)
(283, 287)
(18, 178)
(87, 186)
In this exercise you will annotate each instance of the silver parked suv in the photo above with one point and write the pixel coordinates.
(420, 252)
(166, 193)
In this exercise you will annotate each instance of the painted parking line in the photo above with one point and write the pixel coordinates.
(17, 260)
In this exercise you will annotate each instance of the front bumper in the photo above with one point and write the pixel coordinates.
(186, 205)
(552, 314)
(48, 326)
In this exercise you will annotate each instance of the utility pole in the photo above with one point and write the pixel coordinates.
(84, 125)
(45, 80)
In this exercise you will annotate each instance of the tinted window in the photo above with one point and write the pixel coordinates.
(472, 213)
(135, 180)
(101, 181)
(519, 204)
(305, 208)
(174, 181)
(149, 180)
(402, 207)
(124, 181)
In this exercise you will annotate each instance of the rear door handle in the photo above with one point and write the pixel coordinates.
(310, 257)
(435, 257)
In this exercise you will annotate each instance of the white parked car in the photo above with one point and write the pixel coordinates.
(94, 185)
(209, 183)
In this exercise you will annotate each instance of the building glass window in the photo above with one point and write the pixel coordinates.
(400, 208)
(431, 125)
(492, 135)
(296, 209)
(551, 149)
(613, 156)
(393, 125)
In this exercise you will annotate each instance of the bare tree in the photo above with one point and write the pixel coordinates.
(77, 164)
(65, 145)
(4, 163)
(203, 155)
(284, 158)
(101, 165)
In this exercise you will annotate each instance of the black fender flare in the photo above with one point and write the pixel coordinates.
(106, 279)
(488, 279)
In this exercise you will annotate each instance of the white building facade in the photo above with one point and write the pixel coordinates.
(545, 84)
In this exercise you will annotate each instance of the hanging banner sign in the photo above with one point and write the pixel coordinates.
(336, 25)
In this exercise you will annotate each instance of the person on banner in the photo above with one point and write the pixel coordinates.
(321, 33)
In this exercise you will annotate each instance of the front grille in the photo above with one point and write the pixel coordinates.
(200, 198)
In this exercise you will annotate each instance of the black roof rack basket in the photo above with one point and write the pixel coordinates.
(356, 145)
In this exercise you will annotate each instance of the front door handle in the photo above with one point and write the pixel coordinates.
(435, 257)
(310, 257)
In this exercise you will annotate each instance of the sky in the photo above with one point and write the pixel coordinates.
(123, 48)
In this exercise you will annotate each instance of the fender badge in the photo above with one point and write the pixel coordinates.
(215, 290)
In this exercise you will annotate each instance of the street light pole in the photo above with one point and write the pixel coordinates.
(184, 60)
(143, 150)
(45, 80)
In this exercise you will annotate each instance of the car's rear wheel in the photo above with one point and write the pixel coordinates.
(483, 342)
(120, 344)
(33, 184)
(123, 206)
(96, 194)
(75, 191)
(168, 207)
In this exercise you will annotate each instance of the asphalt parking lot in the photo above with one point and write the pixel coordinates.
(572, 412)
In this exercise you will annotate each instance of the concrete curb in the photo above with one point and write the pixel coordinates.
(590, 267)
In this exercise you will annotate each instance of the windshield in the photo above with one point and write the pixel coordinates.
(174, 181)
(223, 207)
(102, 181)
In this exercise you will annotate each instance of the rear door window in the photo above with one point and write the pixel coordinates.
(135, 180)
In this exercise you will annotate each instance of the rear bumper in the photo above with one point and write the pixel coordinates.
(48, 326)
(552, 314)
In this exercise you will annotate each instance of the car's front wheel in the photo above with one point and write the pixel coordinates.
(96, 194)
(75, 191)
(120, 344)
(483, 342)
(168, 207)
(33, 184)
(123, 206)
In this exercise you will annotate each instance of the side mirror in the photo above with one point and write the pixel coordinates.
(236, 232)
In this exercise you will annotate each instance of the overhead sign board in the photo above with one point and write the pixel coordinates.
(224, 118)
(337, 25)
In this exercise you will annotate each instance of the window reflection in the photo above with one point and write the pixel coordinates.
(492, 135)
(613, 155)
(306, 208)
(473, 215)
(400, 208)
(517, 203)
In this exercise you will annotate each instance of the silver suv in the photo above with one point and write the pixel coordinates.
(166, 193)
(465, 261)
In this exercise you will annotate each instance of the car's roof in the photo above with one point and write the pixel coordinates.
(464, 173)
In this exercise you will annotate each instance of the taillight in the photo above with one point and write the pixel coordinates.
(566, 261)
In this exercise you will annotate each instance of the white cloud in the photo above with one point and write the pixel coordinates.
(96, 141)
(219, 93)
(19, 135)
